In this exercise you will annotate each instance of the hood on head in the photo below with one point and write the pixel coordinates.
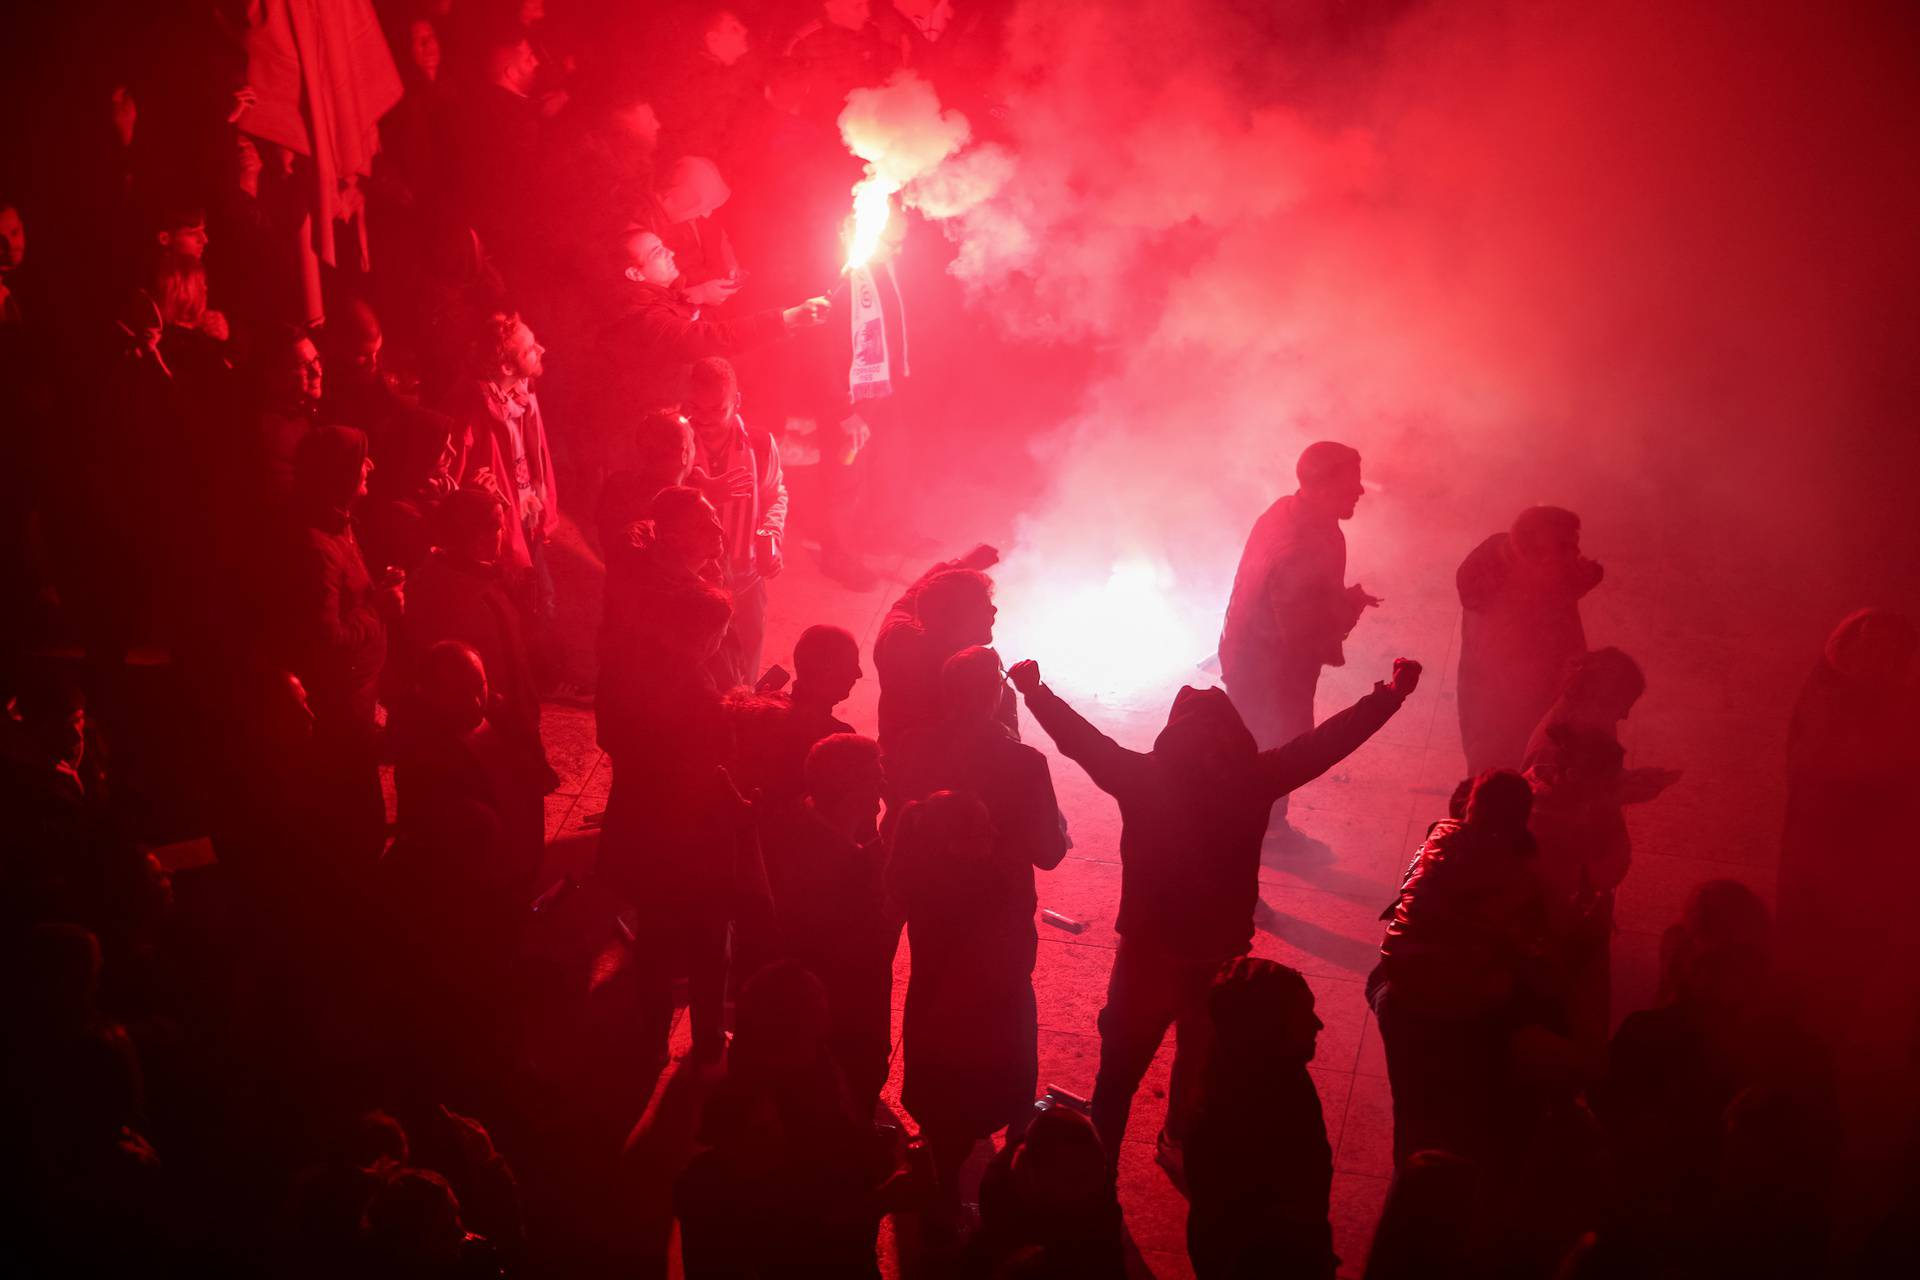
(1204, 728)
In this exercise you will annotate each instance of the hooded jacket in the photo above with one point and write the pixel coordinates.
(1194, 810)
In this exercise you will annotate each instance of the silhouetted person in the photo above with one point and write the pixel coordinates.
(332, 633)
(1520, 592)
(414, 1230)
(968, 1033)
(1581, 786)
(673, 824)
(1259, 1171)
(1290, 611)
(1047, 1202)
(1468, 931)
(1673, 1072)
(753, 514)
(1852, 756)
(1193, 813)
(406, 488)
(784, 1181)
(824, 865)
(947, 609)
(462, 592)
(662, 458)
(776, 731)
(461, 870)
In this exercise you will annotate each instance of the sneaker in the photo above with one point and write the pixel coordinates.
(1172, 1158)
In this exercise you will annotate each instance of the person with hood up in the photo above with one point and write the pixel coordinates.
(1193, 812)
(332, 632)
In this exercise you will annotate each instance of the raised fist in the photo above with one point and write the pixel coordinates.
(1025, 676)
(1406, 676)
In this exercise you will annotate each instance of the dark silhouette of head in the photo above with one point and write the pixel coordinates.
(1500, 804)
(1546, 534)
(843, 782)
(686, 526)
(453, 686)
(470, 525)
(1875, 646)
(330, 467)
(1205, 735)
(956, 608)
(826, 665)
(1329, 475)
(1263, 1013)
(413, 1224)
(781, 1023)
(663, 446)
(972, 684)
(1604, 683)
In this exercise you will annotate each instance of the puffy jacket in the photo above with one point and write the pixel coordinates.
(1471, 911)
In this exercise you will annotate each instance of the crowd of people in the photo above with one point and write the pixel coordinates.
(288, 461)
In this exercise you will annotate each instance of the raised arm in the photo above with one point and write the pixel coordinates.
(1112, 767)
(1289, 767)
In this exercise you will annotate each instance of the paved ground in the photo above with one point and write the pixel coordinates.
(1370, 812)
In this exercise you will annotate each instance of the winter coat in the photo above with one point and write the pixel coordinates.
(1472, 912)
(1289, 601)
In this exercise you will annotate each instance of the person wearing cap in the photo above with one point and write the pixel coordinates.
(1291, 612)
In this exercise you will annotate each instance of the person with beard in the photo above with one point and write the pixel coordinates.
(331, 632)
(1289, 614)
(675, 827)
(502, 445)
(1193, 812)
(1520, 593)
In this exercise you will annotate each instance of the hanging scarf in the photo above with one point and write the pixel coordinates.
(872, 374)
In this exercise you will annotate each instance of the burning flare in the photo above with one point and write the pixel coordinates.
(872, 208)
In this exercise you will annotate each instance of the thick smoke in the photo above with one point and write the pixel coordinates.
(1649, 261)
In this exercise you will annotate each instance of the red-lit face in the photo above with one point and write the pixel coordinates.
(651, 260)
(190, 241)
(423, 47)
(710, 405)
(308, 370)
(727, 39)
(525, 357)
(640, 122)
